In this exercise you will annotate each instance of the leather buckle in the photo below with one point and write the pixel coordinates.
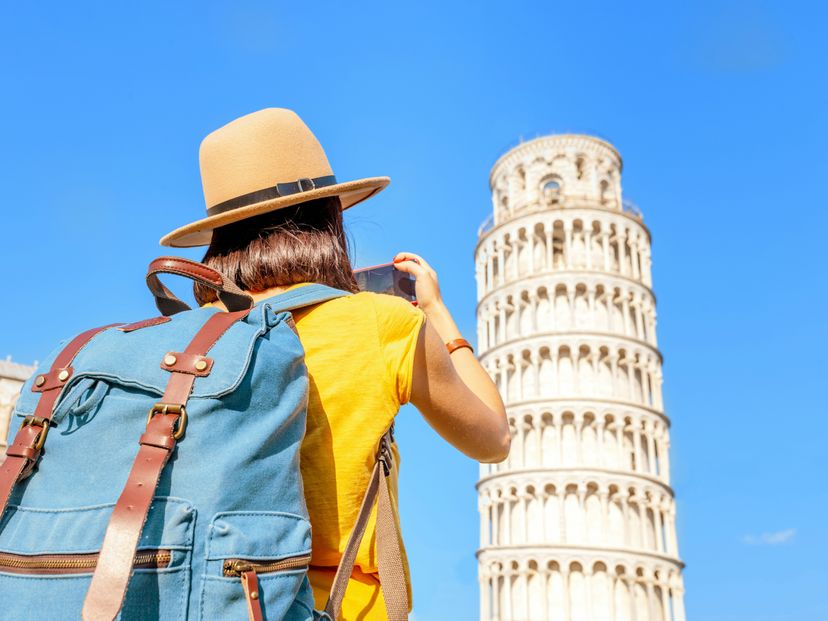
(43, 423)
(384, 455)
(171, 408)
(306, 184)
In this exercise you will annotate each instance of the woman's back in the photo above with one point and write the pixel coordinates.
(359, 351)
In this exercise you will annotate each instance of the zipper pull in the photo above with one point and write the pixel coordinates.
(250, 584)
(237, 567)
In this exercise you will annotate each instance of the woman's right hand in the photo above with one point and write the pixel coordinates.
(427, 287)
(453, 392)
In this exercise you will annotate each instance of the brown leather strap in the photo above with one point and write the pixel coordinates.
(24, 452)
(105, 595)
(165, 427)
(456, 344)
(389, 552)
(233, 298)
(250, 584)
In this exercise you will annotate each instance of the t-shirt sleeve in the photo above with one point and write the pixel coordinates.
(398, 327)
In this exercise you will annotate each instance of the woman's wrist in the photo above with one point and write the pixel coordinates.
(441, 320)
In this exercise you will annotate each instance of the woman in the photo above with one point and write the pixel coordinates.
(367, 354)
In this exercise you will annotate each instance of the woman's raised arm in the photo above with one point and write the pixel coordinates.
(453, 391)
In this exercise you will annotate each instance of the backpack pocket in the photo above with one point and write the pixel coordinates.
(273, 550)
(47, 557)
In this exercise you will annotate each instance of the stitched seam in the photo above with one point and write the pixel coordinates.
(381, 349)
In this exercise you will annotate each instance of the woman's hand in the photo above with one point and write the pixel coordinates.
(427, 288)
(454, 393)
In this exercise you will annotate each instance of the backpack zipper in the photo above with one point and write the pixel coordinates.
(235, 567)
(55, 564)
(248, 572)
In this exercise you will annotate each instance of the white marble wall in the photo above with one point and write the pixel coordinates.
(578, 523)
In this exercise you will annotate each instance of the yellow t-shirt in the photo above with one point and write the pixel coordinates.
(359, 351)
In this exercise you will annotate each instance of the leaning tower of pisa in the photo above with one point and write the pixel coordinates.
(578, 524)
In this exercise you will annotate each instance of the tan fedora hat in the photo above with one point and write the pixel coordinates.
(261, 162)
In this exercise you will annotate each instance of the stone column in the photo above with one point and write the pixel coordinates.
(553, 359)
(630, 582)
(613, 579)
(485, 581)
(567, 595)
(625, 510)
(538, 424)
(634, 257)
(507, 519)
(639, 330)
(508, 612)
(619, 438)
(588, 244)
(636, 431)
(665, 606)
(579, 438)
(526, 575)
(659, 534)
(502, 336)
(533, 305)
(562, 514)
(648, 434)
(496, 579)
(646, 385)
(483, 509)
(678, 604)
(589, 579)
(497, 502)
(671, 529)
(625, 310)
(605, 243)
(642, 517)
(591, 306)
(501, 264)
(613, 361)
(664, 457)
(489, 271)
(545, 594)
(603, 495)
(622, 251)
(651, 603)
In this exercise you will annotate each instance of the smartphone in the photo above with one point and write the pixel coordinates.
(387, 279)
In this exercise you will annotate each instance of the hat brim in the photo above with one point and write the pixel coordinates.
(200, 233)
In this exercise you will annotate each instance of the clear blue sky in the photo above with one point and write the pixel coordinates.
(718, 108)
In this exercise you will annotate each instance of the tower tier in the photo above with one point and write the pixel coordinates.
(578, 523)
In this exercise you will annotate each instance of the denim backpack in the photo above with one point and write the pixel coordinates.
(155, 474)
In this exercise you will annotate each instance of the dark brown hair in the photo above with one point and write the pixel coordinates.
(302, 243)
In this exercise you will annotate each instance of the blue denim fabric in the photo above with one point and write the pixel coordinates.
(232, 488)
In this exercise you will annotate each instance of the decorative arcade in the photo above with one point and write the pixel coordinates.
(578, 524)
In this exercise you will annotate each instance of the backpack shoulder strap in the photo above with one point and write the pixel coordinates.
(306, 295)
(166, 424)
(23, 453)
(389, 553)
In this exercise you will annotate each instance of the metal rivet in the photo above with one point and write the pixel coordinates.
(200, 365)
(170, 360)
(254, 595)
(63, 375)
(41, 379)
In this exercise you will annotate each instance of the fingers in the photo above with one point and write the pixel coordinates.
(410, 267)
(403, 258)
